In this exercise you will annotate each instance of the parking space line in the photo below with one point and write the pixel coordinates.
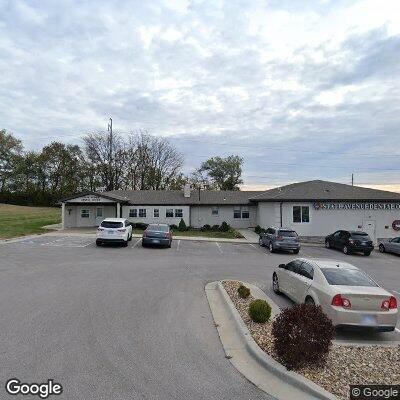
(397, 330)
(177, 247)
(136, 243)
(219, 247)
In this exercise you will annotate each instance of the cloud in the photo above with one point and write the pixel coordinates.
(301, 90)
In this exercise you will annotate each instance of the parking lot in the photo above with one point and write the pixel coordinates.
(114, 322)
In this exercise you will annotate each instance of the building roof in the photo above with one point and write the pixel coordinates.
(324, 191)
(106, 195)
(176, 197)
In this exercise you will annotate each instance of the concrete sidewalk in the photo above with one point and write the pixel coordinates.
(249, 235)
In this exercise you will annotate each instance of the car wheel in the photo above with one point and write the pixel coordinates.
(345, 250)
(125, 243)
(310, 301)
(295, 251)
(327, 244)
(275, 284)
(130, 237)
(260, 241)
(170, 244)
(382, 248)
(271, 247)
(98, 244)
(367, 253)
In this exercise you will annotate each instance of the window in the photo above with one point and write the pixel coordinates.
(142, 213)
(85, 213)
(156, 213)
(214, 211)
(270, 231)
(347, 277)
(294, 266)
(237, 212)
(245, 213)
(301, 214)
(133, 213)
(291, 234)
(169, 213)
(178, 213)
(306, 270)
(111, 224)
(99, 212)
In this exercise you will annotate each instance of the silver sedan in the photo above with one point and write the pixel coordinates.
(390, 245)
(346, 294)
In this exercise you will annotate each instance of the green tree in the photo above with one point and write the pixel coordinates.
(10, 149)
(224, 173)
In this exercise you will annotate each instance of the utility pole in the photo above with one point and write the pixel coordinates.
(352, 179)
(109, 129)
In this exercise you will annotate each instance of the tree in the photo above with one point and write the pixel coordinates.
(225, 173)
(10, 149)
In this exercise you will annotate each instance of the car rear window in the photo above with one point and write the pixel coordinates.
(288, 233)
(111, 224)
(158, 228)
(347, 277)
(360, 236)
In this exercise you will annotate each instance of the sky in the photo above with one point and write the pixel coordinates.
(301, 89)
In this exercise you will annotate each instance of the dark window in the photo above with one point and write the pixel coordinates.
(237, 213)
(178, 213)
(85, 213)
(360, 236)
(347, 277)
(287, 233)
(294, 266)
(306, 270)
(169, 213)
(271, 231)
(111, 224)
(158, 228)
(142, 213)
(156, 213)
(336, 234)
(305, 214)
(214, 211)
(133, 213)
(296, 214)
(245, 213)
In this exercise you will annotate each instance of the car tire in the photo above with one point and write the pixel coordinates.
(346, 250)
(296, 251)
(125, 243)
(309, 301)
(260, 241)
(130, 238)
(275, 284)
(170, 244)
(98, 244)
(327, 244)
(271, 247)
(382, 248)
(367, 253)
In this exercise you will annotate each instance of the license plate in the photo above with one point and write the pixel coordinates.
(156, 241)
(368, 319)
(111, 232)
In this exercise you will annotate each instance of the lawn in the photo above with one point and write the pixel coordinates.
(232, 234)
(22, 220)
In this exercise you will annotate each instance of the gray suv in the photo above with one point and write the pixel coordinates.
(280, 239)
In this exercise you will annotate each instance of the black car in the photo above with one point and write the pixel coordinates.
(350, 242)
(157, 234)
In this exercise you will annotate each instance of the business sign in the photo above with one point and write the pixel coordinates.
(91, 198)
(396, 225)
(356, 206)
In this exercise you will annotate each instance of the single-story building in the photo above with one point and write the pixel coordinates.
(313, 208)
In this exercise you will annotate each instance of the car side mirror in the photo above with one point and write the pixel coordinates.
(282, 266)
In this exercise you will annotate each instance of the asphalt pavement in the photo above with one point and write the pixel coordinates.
(133, 323)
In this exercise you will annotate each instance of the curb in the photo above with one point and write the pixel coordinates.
(266, 362)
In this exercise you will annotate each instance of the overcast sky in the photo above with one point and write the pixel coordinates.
(301, 89)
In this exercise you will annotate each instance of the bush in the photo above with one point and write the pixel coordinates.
(174, 227)
(206, 227)
(243, 292)
(182, 226)
(302, 335)
(224, 227)
(215, 228)
(139, 225)
(258, 229)
(260, 311)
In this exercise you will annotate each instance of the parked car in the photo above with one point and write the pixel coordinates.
(280, 239)
(346, 294)
(390, 245)
(157, 234)
(350, 242)
(114, 230)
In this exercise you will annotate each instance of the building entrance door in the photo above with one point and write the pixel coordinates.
(99, 215)
(369, 227)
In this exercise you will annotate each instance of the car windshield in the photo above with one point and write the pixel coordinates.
(347, 277)
(158, 228)
(360, 236)
(288, 233)
(111, 224)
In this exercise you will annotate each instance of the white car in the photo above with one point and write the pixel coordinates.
(114, 230)
(346, 294)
